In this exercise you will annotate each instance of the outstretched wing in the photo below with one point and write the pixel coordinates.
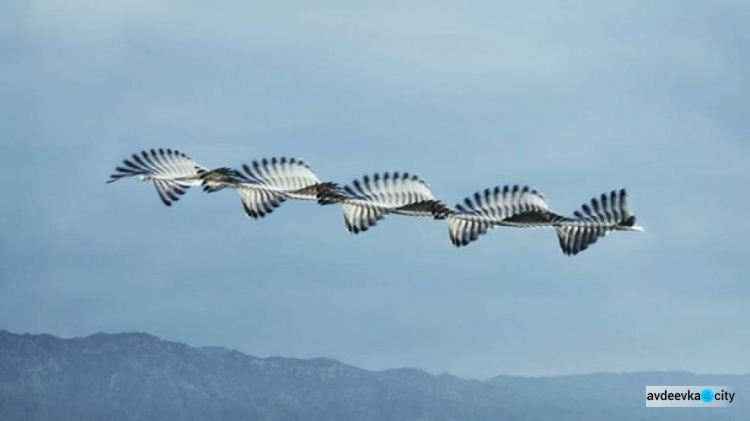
(171, 171)
(390, 190)
(575, 239)
(259, 203)
(263, 185)
(163, 164)
(607, 210)
(595, 219)
(286, 175)
(369, 199)
(500, 204)
(463, 229)
(516, 205)
(170, 191)
(360, 217)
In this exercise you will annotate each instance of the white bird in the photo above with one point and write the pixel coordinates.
(368, 200)
(171, 171)
(265, 184)
(525, 207)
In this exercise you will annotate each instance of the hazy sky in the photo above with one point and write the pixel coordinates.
(573, 98)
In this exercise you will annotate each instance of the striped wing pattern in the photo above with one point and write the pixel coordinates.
(369, 199)
(595, 219)
(171, 171)
(263, 185)
(465, 229)
(519, 206)
(290, 176)
(360, 217)
(259, 203)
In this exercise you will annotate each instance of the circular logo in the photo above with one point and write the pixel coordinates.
(707, 395)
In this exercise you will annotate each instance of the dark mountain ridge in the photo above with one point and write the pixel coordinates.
(136, 376)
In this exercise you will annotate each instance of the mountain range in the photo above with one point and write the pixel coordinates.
(136, 376)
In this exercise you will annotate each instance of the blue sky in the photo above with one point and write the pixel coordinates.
(574, 99)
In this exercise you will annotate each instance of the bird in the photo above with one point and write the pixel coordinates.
(171, 171)
(369, 199)
(597, 218)
(525, 207)
(264, 184)
(520, 206)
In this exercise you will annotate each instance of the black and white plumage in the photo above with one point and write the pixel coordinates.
(368, 200)
(171, 171)
(524, 207)
(518, 206)
(263, 185)
(602, 215)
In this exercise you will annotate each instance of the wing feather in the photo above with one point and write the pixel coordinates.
(288, 175)
(164, 164)
(259, 203)
(369, 199)
(516, 205)
(171, 171)
(595, 219)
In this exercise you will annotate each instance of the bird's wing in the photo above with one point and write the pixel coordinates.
(595, 219)
(500, 203)
(466, 228)
(284, 175)
(575, 239)
(162, 164)
(171, 171)
(390, 190)
(507, 205)
(370, 198)
(170, 191)
(359, 217)
(259, 203)
(608, 209)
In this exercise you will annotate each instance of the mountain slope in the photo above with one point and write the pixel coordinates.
(134, 376)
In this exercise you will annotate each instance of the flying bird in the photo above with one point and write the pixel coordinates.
(368, 200)
(265, 184)
(607, 213)
(519, 206)
(525, 207)
(171, 171)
